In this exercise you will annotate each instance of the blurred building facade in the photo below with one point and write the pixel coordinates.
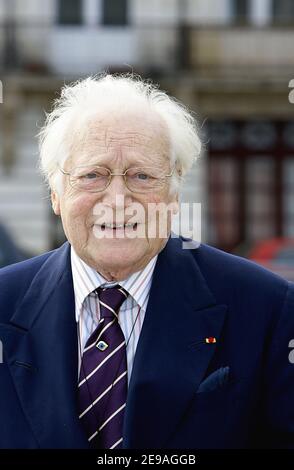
(229, 60)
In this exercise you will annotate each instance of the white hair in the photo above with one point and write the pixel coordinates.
(88, 97)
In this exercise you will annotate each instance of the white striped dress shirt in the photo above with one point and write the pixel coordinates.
(131, 314)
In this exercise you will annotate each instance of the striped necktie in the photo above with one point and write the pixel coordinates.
(103, 383)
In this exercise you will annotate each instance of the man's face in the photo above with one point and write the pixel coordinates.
(117, 143)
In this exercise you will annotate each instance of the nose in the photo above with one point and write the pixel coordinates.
(116, 192)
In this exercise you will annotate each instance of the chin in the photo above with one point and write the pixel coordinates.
(126, 255)
(116, 254)
(116, 245)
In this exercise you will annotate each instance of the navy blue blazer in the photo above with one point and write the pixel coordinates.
(234, 390)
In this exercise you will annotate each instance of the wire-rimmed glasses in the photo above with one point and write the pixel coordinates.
(92, 178)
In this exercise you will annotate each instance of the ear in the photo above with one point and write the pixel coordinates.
(55, 201)
(175, 204)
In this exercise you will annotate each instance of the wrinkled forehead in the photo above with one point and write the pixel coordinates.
(143, 134)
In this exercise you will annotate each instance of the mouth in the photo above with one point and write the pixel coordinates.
(117, 227)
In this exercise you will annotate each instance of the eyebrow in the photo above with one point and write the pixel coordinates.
(103, 160)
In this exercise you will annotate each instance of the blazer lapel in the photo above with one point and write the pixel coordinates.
(41, 350)
(172, 355)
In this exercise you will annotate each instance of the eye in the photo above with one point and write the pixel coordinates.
(142, 176)
(90, 176)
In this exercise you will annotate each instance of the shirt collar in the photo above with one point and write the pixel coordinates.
(86, 280)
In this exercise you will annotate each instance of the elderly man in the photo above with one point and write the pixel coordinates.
(121, 338)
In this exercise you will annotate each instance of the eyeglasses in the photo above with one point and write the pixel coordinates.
(97, 178)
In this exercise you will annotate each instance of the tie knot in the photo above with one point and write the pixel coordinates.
(110, 300)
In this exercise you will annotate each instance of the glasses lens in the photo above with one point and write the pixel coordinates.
(90, 178)
(143, 179)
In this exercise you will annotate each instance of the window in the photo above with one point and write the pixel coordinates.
(69, 12)
(283, 11)
(240, 9)
(114, 12)
(251, 181)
